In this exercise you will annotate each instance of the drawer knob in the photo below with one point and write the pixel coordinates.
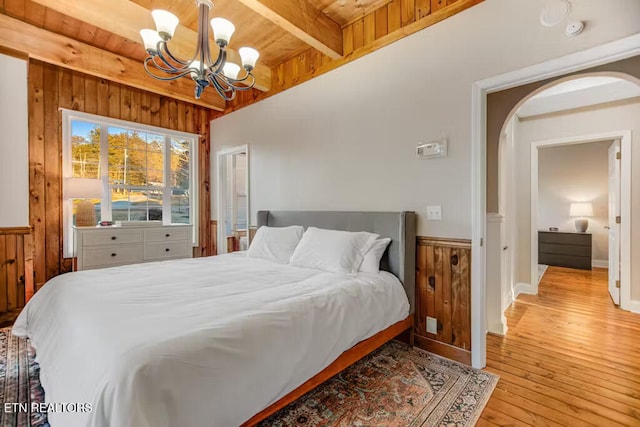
(114, 254)
(167, 250)
(113, 237)
(167, 235)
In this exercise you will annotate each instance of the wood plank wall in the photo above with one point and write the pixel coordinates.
(443, 291)
(52, 88)
(388, 23)
(16, 268)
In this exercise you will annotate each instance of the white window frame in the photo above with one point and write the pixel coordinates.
(105, 122)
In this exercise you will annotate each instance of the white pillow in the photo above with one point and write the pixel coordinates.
(275, 243)
(371, 262)
(332, 250)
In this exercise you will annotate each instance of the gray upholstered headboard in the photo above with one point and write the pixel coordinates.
(400, 227)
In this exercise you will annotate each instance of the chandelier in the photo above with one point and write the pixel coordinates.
(222, 75)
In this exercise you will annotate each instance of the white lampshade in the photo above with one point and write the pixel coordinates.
(222, 30)
(231, 70)
(83, 188)
(166, 22)
(581, 209)
(249, 57)
(150, 38)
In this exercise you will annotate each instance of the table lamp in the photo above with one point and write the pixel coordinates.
(581, 211)
(85, 189)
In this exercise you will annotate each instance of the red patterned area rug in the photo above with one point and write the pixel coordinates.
(395, 386)
(20, 388)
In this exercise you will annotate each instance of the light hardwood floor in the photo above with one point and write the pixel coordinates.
(570, 357)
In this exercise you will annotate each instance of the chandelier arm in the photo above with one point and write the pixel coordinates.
(164, 66)
(244, 88)
(218, 66)
(155, 76)
(214, 79)
(167, 52)
(243, 80)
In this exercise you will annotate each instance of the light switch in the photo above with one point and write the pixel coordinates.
(434, 213)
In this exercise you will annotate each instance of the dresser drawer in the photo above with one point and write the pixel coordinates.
(167, 234)
(112, 255)
(572, 250)
(115, 236)
(167, 250)
(564, 238)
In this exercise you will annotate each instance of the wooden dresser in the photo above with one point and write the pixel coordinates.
(100, 247)
(564, 249)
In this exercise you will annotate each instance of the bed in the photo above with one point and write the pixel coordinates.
(218, 341)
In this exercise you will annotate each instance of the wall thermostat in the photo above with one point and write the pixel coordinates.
(432, 149)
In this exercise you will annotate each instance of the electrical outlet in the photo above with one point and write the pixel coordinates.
(432, 325)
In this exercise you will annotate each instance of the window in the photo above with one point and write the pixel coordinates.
(147, 173)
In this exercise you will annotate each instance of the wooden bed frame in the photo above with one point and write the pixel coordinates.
(399, 259)
(345, 360)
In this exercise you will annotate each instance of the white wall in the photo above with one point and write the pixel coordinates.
(346, 139)
(610, 119)
(14, 138)
(575, 173)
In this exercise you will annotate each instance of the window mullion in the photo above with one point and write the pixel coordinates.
(166, 191)
(105, 204)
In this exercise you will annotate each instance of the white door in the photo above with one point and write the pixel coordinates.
(614, 227)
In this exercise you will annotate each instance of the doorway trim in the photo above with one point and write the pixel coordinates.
(605, 53)
(220, 155)
(625, 205)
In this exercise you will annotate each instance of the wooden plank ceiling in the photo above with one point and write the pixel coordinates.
(297, 39)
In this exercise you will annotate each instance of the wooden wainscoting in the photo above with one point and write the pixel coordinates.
(443, 291)
(52, 88)
(16, 271)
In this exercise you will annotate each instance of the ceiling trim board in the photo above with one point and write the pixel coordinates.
(62, 51)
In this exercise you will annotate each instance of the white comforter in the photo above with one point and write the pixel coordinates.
(196, 342)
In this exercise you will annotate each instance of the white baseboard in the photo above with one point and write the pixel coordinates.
(600, 263)
(634, 306)
(499, 328)
(524, 288)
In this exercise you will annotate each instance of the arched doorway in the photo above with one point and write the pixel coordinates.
(504, 92)
(513, 263)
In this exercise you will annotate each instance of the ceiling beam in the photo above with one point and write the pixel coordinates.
(126, 18)
(304, 21)
(62, 51)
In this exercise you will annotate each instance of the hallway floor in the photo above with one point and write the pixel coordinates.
(570, 357)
